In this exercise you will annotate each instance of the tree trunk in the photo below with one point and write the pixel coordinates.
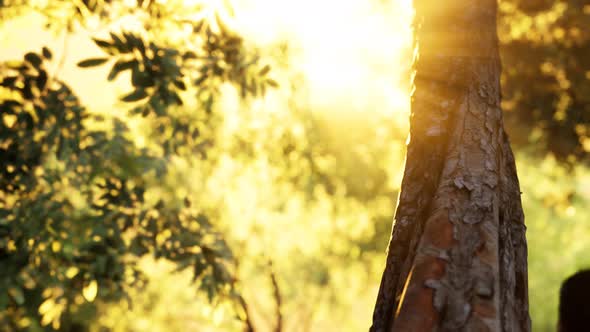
(457, 255)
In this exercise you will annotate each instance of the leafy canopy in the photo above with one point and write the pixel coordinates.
(80, 205)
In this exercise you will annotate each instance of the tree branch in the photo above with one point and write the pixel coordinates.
(277, 298)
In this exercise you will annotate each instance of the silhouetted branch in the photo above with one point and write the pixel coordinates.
(249, 326)
(277, 297)
(247, 321)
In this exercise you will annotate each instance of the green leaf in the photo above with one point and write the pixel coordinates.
(17, 295)
(201, 79)
(16, 65)
(33, 59)
(264, 70)
(157, 105)
(47, 53)
(176, 99)
(136, 95)
(92, 62)
(102, 43)
(189, 55)
(120, 66)
(3, 300)
(222, 26)
(42, 79)
(180, 84)
(263, 90)
(8, 81)
(100, 265)
(272, 83)
(253, 88)
(133, 41)
(118, 42)
(141, 78)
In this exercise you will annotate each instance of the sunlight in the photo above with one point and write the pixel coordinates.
(354, 54)
(238, 166)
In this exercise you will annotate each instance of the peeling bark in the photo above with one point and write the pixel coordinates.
(457, 255)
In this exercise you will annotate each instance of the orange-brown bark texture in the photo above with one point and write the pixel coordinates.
(457, 256)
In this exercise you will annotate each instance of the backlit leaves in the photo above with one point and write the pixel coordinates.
(89, 291)
(553, 112)
(135, 95)
(75, 207)
(92, 62)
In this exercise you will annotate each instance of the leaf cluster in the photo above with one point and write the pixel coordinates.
(79, 206)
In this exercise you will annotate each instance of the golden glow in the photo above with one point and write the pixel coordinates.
(345, 57)
(403, 295)
(354, 54)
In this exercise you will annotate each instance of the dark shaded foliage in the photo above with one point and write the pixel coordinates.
(546, 81)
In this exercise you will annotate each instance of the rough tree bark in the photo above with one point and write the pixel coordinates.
(457, 256)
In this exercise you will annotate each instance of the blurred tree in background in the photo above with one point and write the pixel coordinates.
(546, 58)
(209, 197)
(546, 84)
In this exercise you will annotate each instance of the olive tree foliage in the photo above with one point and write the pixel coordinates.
(77, 208)
(547, 42)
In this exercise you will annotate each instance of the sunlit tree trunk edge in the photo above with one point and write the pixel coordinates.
(457, 257)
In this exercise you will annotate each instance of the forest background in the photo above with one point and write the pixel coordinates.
(215, 165)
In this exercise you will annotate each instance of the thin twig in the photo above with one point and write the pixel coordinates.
(63, 55)
(53, 77)
(247, 321)
(249, 326)
(277, 297)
